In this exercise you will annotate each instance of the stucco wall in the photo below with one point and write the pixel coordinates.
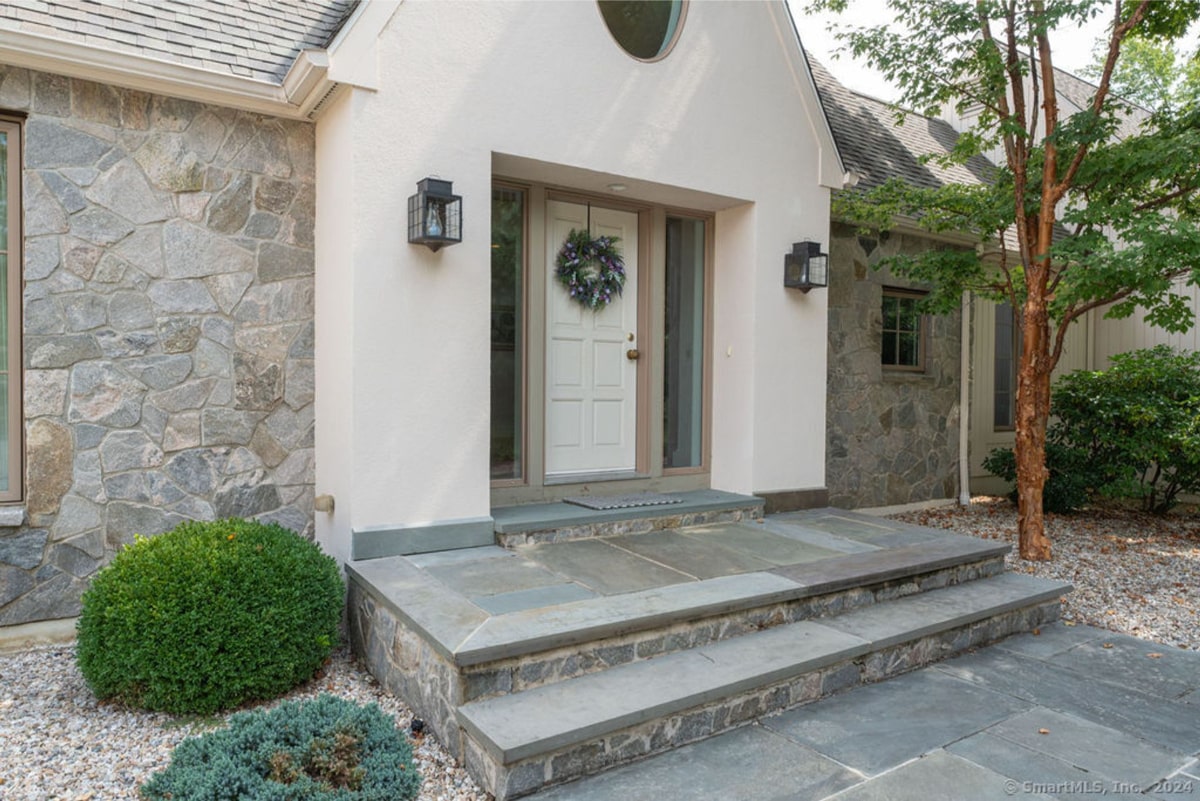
(168, 319)
(892, 437)
(720, 125)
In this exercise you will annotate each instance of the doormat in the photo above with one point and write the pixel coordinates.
(605, 502)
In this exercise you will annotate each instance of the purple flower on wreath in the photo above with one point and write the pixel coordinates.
(592, 269)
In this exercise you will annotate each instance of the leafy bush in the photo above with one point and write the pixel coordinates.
(1131, 431)
(1138, 421)
(1069, 480)
(208, 616)
(327, 749)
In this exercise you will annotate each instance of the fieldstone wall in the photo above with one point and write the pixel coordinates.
(891, 437)
(168, 319)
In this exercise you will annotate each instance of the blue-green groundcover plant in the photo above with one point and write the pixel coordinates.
(209, 616)
(326, 749)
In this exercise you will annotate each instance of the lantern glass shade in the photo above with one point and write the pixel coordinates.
(805, 267)
(435, 214)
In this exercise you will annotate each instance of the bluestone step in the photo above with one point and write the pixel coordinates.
(927, 613)
(553, 717)
(548, 718)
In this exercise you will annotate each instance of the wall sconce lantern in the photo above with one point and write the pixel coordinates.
(435, 215)
(805, 267)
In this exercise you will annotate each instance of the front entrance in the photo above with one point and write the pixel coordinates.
(579, 397)
(591, 356)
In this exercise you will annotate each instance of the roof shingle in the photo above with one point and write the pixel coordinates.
(876, 148)
(257, 39)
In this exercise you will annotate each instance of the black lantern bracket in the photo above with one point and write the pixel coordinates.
(435, 215)
(805, 267)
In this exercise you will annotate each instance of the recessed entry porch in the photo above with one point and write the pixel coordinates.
(567, 654)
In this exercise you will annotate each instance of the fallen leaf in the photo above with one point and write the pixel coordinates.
(1107, 645)
(1043, 731)
(1155, 655)
(1036, 632)
(1068, 622)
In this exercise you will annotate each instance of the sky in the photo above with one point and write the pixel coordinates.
(1072, 48)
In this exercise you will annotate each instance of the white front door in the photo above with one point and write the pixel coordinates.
(591, 379)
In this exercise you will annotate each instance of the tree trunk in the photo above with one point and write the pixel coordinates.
(1033, 410)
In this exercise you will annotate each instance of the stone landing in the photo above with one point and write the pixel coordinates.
(559, 659)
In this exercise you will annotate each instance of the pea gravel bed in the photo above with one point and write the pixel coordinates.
(1132, 573)
(58, 742)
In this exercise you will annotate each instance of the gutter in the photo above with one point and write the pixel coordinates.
(303, 88)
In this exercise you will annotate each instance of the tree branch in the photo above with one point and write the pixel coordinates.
(1120, 30)
(1163, 200)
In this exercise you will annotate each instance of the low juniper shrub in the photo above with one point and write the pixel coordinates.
(208, 616)
(326, 749)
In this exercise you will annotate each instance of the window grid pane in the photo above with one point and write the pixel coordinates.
(903, 326)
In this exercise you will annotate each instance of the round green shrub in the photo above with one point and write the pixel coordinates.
(208, 616)
(327, 749)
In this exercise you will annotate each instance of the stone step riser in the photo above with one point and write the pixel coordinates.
(641, 525)
(508, 781)
(408, 665)
(517, 674)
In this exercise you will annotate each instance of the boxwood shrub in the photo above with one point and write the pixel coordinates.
(327, 749)
(208, 616)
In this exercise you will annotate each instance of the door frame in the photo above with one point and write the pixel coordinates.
(639, 320)
(649, 474)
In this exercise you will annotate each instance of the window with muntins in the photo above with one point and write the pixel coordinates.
(10, 310)
(903, 346)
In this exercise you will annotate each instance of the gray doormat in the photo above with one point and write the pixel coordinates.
(603, 502)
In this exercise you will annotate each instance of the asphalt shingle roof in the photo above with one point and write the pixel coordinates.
(875, 147)
(257, 39)
(1077, 94)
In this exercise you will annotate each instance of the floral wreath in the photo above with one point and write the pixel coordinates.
(591, 269)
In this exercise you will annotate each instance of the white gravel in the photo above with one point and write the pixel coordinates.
(1132, 573)
(58, 742)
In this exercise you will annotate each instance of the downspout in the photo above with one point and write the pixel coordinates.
(964, 403)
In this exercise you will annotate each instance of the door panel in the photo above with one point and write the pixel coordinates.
(591, 386)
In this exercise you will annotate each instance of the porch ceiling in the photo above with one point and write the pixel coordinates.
(585, 180)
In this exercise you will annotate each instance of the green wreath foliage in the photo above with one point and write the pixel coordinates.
(591, 269)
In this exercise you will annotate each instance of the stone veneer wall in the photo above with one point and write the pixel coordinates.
(168, 319)
(891, 437)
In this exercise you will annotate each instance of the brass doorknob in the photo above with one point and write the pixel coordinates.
(632, 354)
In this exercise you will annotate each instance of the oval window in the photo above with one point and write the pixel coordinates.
(645, 29)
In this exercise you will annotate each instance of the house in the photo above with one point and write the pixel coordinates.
(159, 178)
(897, 378)
(320, 264)
(917, 402)
(223, 313)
